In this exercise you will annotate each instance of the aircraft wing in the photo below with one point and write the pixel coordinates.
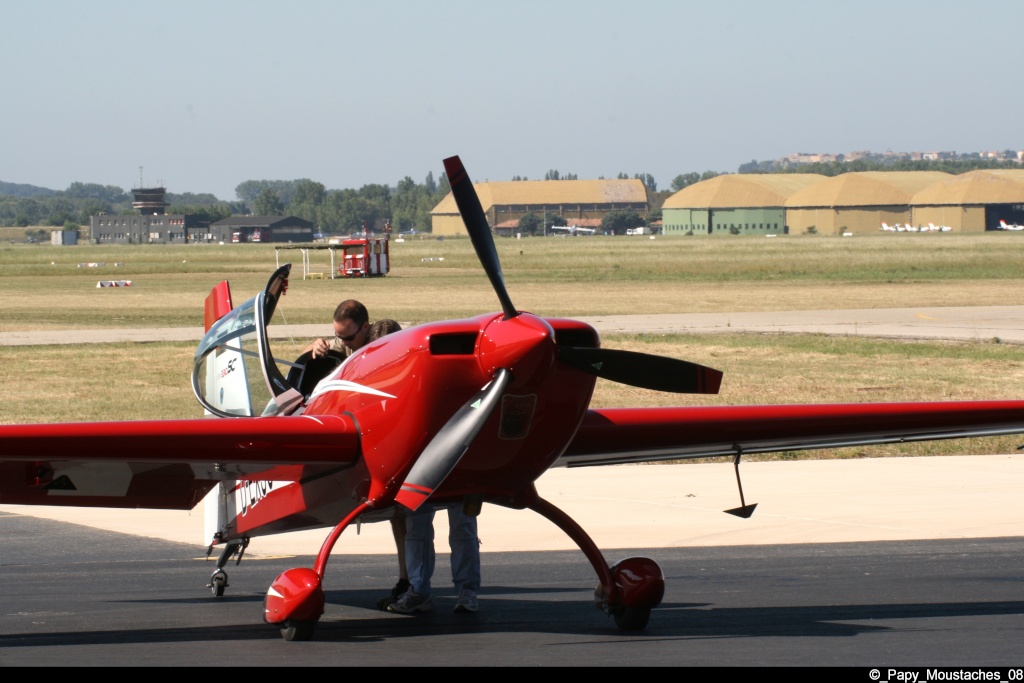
(167, 464)
(630, 435)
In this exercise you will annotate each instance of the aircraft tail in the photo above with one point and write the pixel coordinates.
(227, 376)
(229, 508)
(218, 304)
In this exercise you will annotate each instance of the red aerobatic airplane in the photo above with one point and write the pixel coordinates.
(471, 411)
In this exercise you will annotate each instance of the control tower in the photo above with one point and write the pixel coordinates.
(150, 200)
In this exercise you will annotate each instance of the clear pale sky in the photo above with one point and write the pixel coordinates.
(206, 94)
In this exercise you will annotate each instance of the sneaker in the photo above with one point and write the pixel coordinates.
(466, 602)
(409, 602)
(396, 592)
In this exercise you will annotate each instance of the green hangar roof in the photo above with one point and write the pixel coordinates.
(741, 190)
(994, 186)
(866, 188)
(551, 192)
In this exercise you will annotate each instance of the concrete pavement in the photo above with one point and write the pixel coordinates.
(651, 506)
(980, 323)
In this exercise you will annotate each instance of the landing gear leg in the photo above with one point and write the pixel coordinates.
(219, 578)
(628, 590)
(295, 600)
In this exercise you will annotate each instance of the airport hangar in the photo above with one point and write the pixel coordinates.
(857, 203)
(851, 203)
(972, 202)
(745, 204)
(579, 202)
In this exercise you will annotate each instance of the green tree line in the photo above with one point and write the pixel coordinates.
(407, 205)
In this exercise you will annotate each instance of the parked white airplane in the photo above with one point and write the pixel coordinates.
(890, 228)
(573, 229)
(1003, 225)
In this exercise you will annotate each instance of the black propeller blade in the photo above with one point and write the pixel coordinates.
(643, 370)
(635, 369)
(448, 446)
(476, 223)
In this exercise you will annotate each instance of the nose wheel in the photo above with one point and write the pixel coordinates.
(218, 582)
(219, 578)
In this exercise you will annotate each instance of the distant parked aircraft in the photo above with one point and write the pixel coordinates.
(1003, 225)
(573, 229)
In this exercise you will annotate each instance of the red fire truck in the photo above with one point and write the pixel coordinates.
(364, 257)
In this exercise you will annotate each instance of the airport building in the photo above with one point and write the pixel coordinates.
(150, 226)
(505, 202)
(972, 202)
(850, 203)
(132, 229)
(857, 203)
(734, 204)
(241, 229)
(153, 226)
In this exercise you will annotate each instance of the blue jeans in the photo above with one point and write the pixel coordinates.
(464, 543)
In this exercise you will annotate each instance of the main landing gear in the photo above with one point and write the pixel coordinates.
(628, 590)
(295, 600)
(219, 578)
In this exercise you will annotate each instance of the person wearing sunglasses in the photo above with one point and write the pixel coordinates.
(351, 330)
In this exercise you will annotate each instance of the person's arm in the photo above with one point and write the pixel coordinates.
(318, 346)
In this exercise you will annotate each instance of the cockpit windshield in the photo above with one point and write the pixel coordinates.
(234, 373)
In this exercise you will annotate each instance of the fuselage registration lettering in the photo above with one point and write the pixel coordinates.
(251, 493)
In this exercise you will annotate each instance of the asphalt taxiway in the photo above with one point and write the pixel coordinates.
(81, 597)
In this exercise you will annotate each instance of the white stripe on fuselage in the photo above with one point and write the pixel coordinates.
(326, 386)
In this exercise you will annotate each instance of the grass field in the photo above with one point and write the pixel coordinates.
(48, 287)
(44, 288)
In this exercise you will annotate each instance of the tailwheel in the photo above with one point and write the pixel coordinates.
(632, 618)
(218, 582)
(293, 630)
